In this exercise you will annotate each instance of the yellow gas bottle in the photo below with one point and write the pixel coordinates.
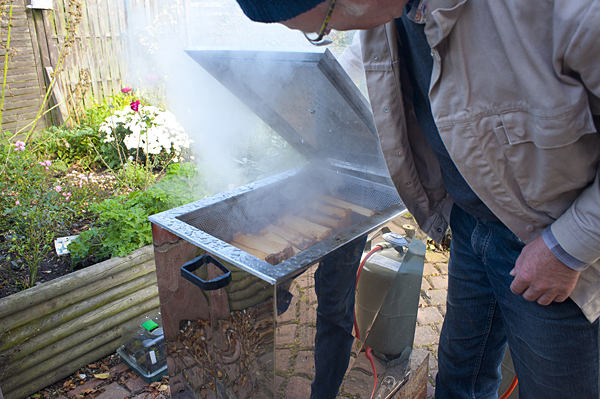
(387, 296)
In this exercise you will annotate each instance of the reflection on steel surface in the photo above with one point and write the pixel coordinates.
(250, 339)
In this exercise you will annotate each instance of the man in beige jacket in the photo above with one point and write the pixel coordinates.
(488, 115)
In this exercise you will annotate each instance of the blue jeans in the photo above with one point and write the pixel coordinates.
(555, 349)
(335, 284)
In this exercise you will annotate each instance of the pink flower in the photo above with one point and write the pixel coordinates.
(126, 89)
(58, 189)
(67, 196)
(135, 105)
(17, 202)
(48, 162)
(19, 146)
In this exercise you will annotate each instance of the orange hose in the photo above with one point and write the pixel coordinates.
(368, 351)
(510, 389)
(369, 355)
(362, 263)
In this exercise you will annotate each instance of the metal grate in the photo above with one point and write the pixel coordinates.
(253, 211)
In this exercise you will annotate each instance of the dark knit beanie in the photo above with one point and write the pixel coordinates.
(276, 10)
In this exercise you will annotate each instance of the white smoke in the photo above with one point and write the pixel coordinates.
(214, 118)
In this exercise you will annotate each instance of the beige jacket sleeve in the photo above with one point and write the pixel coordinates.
(578, 229)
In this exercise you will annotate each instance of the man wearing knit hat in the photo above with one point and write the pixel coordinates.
(488, 115)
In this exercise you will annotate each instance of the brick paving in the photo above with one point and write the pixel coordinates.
(432, 309)
(122, 383)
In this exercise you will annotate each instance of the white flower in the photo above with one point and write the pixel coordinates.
(151, 129)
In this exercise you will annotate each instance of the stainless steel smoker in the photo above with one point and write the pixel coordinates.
(236, 325)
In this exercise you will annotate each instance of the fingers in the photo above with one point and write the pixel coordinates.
(543, 299)
(518, 286)
(541, 277)
(542, 295)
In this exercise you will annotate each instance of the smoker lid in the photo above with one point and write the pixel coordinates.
(308, 99)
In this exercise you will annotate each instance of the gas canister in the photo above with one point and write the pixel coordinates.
(390, 281)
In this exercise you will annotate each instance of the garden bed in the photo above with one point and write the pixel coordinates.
(51, 330)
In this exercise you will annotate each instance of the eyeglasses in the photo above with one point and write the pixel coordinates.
(320, 40)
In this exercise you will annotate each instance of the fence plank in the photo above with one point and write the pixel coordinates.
(87, 47)
(23, 77)
(113, 39)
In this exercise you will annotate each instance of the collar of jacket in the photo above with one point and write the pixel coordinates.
(441, 18)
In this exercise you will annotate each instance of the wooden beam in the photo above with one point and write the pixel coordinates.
(61, 111)
(34, 43)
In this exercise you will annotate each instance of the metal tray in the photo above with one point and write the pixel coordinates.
(210, 223)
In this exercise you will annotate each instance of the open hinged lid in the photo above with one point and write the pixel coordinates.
(308, 99)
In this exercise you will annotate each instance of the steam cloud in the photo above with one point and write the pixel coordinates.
(212, 116)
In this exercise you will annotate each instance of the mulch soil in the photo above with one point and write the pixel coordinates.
(14, 274)
(108, 378)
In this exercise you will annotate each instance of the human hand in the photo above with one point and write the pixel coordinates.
(540, 276)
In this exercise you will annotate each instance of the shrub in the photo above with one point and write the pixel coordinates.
(122, 223)
(97, 114)
(34, 209)
(144, 133)
(40, 204)
(76, 146)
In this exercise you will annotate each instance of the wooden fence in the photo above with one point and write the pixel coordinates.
(87, 42)
(99, 53)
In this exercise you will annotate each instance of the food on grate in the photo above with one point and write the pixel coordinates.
(294, 238)
(276, 251)
(331, 211)
(323, 220)
(292, 234)
(306, 228)
(336, 218)
(274, 237)
(343, 204)
(255, 252)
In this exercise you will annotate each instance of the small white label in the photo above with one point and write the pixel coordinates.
(61, 244)
(152, 357)
(384, 262)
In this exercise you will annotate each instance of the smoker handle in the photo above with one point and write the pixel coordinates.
(214, 284)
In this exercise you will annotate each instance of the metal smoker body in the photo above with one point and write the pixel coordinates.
(248, 332)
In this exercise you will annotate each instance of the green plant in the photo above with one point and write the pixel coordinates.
(97, 114)
(34, 211)
(122, 226)
(39, 203)
(136, 176)
(72, 146)
(184, 182)
(122, 223)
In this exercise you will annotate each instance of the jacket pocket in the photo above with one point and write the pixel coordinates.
(552, 158)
